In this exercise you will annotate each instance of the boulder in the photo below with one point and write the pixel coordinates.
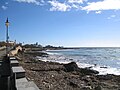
(98, 87)
(88, 71)
(72, 66)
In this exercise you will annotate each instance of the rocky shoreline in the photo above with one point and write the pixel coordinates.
(56, 76)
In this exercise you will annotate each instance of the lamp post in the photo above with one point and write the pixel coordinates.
(7, 37)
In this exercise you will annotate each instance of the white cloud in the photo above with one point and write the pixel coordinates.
(103, 5)
(98, 12)
(112, 16)
(4, 7)
(67, 5)
(97, 6)
(75, 1)
(76, 6)
(29, 1)
(57, 6)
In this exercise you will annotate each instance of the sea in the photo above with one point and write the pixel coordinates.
(105, 60)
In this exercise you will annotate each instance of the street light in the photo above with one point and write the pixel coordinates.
(7, 37)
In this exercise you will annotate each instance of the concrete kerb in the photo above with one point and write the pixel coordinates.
(19, 71)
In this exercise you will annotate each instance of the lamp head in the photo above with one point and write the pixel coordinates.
(7, 22)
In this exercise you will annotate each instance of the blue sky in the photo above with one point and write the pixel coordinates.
(80, 23)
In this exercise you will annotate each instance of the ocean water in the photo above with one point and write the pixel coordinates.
(104, 60)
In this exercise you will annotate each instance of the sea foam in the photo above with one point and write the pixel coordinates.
(104, 60)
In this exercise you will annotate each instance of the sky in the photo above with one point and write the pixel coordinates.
(69, 23)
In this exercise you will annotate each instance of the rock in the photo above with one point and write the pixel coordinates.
(86, 79)
(103, 67)
(88, 71)
(55, 76)
(71, 67)
(33, 53)
(98, 87)
(105, 77)
(86, 88)
(73, 84)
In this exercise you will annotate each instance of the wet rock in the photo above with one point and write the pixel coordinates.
(88, 71)
(71, 67)
(103, 67)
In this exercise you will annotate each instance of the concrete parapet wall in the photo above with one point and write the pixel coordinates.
(19, 48)
(1, 48)
(14, 52)
(21, 82)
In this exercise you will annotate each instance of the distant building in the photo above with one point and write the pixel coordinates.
(12, 43)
